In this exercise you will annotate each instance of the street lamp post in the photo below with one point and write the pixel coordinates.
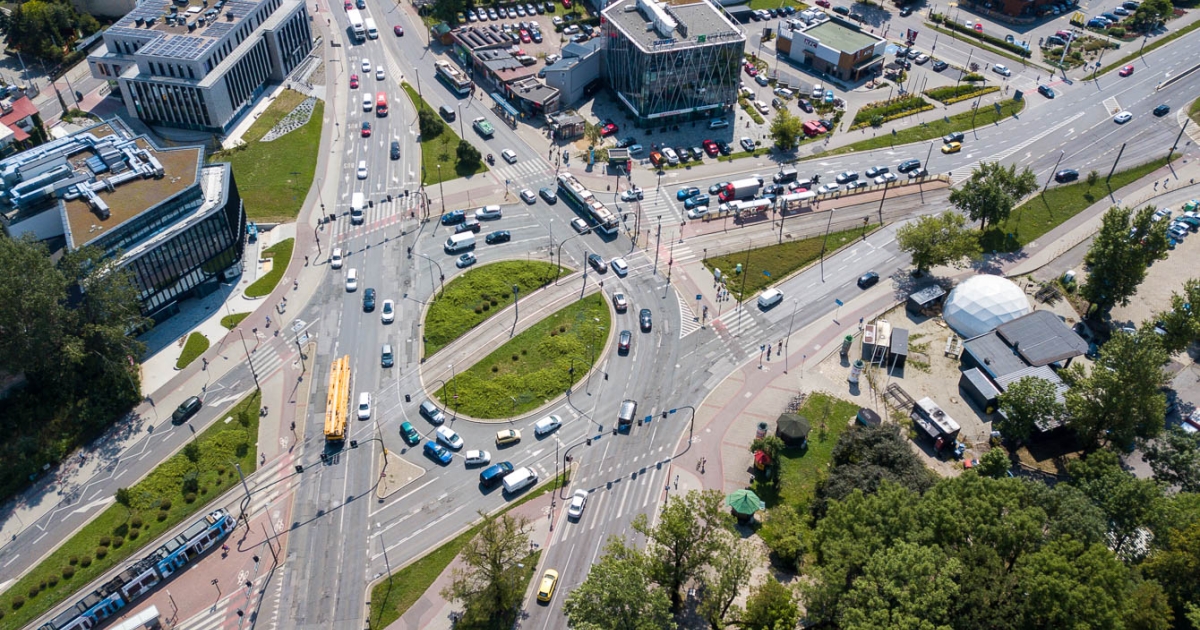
(788, 341)
(248, 361)
(455, 393)
(441, 274)
(516, 308)
(441, 189)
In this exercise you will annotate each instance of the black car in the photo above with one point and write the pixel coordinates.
(455, 217)
(1066, 175)
(725, 149)
(468, 226)
(939, 65)
(395, 149)
(368, 300)
(644, 319)
(805, 105)
(597, 263)
(857, 17)
(186, 410)
(868, 280)
(623, 342)
(904, 63)
(906, 11)
(1162, 110)
(774, 189)
(909, 165)
(627, 142)
(903, 52)
(502, 236)
(953, 136)
(842, 10)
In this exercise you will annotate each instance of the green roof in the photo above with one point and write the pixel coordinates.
(841, 37)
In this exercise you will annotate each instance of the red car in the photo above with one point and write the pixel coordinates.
(823, 3)
(608, 129)
(349, 5)
(566, 4)
(710, 147)
(978, 27)
(398, 30)
(1126, 71)
(525, 37)
(353, 81)
(366, 129)
(752, 71)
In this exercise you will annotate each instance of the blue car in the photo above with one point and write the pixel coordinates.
(694, 202)
(454, 218)
(684, 193)
(438, 452)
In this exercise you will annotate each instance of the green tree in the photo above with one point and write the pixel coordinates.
(994, 463)
(1149, 608)
(865, 457)
(191, 451)
(125, 499)
(992, 191)
(725, 579)
(468, 156)
(45, 28)
(1120, 255)
(429, 124)
(618, 594)
(1067, 584)
(938, 240)
(34, 320)
(772, 445)
(1175, 565)
(908, 585)
(786, 130)
(1120, 399)
(591, 132)
(488, 585)
(1150, 14)
(1182, 322)
(1129, 504)
(1027, 403)
(786, 534)
(771, 606)
(684, 540)
(1175, 459)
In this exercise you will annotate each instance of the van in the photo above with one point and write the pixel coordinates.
(430, 412)
(352, 281)
(519, 479)
(786, 175)
(627, 413)
(769, 298)
(460, 242)
(447, 113)
(368, 103)
(356, 208)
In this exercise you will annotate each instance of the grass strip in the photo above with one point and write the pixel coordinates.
(964, 121)
(1163, 41)
(1046, 211)
(975, 42)
(951, 94)
(534, 367)
(441, 150)
(473, 297)
(390, 599)
(878, 113)
(802, 468)
(231, 321)
(173, 492)
(751, 110)
(779, 261)
(1194, 110)
(280, 254)
(274, 177)
(194, 347)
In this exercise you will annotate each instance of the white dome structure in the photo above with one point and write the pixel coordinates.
(982, 303)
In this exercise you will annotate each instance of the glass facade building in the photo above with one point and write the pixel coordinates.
(669, 63)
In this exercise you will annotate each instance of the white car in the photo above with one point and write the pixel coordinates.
(388, 314)
(379, 73)
(827, 188)
(335, 259)
(352, 281)
(633, 194)
(818, 91)
(528, 196)
(447, 436)
(619, 266)
(366, 65)
(362, 169)
(578, 501)
(478, 458)
(546, 425)
(488, 212)
(671, 155)
(885, 178)
(719, 123)
(1002, 70)
(762, 107)
(697, 212)
(509, 156)
(1123, 117)
(620, 302)
(364, 406)
(571, 30)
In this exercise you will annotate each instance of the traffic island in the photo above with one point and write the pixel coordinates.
(395, 473)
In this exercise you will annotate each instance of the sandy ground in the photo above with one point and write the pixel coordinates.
(1165, 277)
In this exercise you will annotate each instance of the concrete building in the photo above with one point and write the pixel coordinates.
(197, 67)
(176, 223)
(669, 62)
(580, 65)
(16, 121)
(833, 47)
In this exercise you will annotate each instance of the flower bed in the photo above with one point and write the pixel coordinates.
(953, 94)
(875, 114)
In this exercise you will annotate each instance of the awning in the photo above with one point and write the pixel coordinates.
(505, 105)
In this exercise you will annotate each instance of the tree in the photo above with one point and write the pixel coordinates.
(1117, 259)
(1175, 565)
(618, 595)
(1129, 504)
(1150, 14)
(1175, 459)
(786, 130)
(865, 457)
(125, 499)
(684, 541)
(43, 28)
(468, 155)
(1181, 323)
(786, 534)
(1027, 403)
(994, 464)
(489, 585)
(191, 451)
(908, 585)
(429, 124)
(591, 132)
(938, 240)
(1067, 584)
(725, 579)
(992, 191)
(1149, 608)
(771, 606)
(1121, 398)
(33, 314)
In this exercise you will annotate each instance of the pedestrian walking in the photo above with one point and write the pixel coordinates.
(306, 261)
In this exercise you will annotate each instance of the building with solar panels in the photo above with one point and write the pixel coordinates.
(674, 61)
(195, 66)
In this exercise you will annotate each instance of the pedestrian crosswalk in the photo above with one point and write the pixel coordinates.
(531, 174)
(742, 328)
(689, 315)
(378, 214)
(659, 205)
(261, 600)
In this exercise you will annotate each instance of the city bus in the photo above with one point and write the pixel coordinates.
(582, 199)
(455, 79)
(381, 104)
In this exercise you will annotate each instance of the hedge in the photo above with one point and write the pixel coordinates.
(953, 94)
(991, 39)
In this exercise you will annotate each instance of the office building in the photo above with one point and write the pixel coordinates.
(669, 62)
(176, 223)
(197, 67)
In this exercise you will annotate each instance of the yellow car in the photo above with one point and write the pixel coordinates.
(507, 436)
(549, 581)
(953, 147)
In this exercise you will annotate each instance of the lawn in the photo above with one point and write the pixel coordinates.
(392, 598)
(281, 254)
(1045, 212)
(440, 150)
(779, 261)
(1159, 42)
(175, 491)
(936, 128)
(954, 93)
(534, 367)
(274, 177)
(478, 294)
(231, 321)
(1194, 110)
(877, 114)
(801, 468)
(195, 346)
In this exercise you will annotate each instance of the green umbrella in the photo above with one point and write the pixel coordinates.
(744, 502)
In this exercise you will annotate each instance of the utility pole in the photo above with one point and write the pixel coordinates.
(1053, 171)
(516, 308)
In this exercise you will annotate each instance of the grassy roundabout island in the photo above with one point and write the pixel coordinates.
(478, 294)
(535, 366)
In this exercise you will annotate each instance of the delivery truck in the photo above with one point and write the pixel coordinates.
(741, 189)
(356, 208)
(460, 242)
(356, 24)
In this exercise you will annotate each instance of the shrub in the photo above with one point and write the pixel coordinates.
(493, 302)
(495, 368)
(136, 521)
(85, 561)
(73, 560)
(516, 357)
(133, 534)
(1116, 31)
(117, 542)
(52, 581)
(162, 515)
(68, 572)
(101, 552)
(34, 589)
(973, 77)
(18, 602)
(486, 306)
(105, 541)
(478, 310)
(189, 498)
(165, 504)
(204, 490)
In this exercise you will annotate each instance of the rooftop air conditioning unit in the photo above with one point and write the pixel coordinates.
(229, 14)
